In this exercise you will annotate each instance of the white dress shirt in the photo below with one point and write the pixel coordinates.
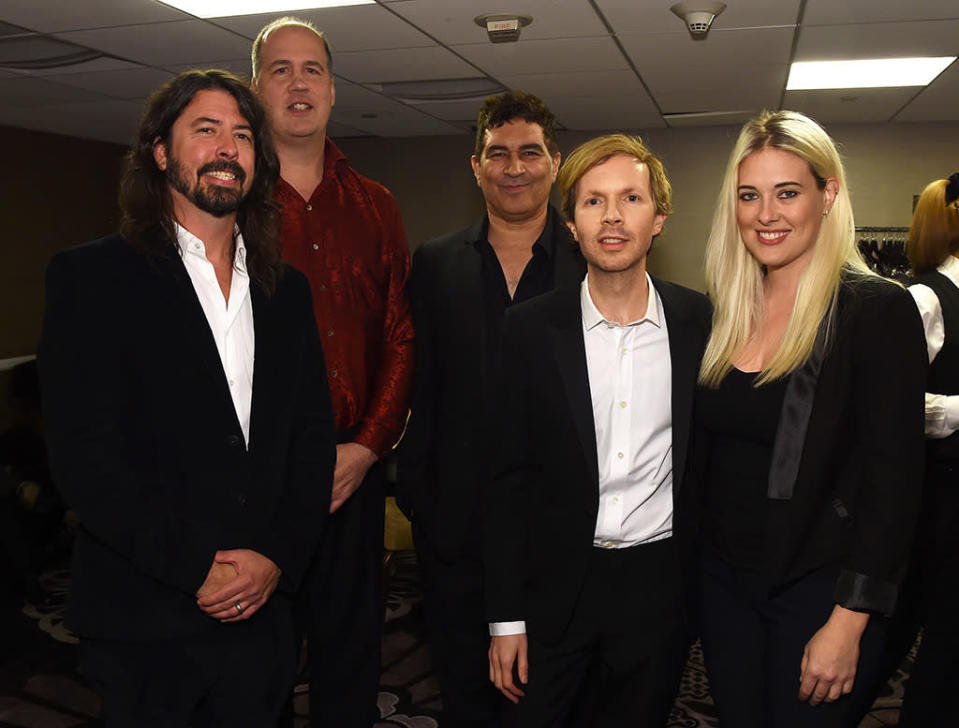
(630, 385)
(942, 411)
(231, 322)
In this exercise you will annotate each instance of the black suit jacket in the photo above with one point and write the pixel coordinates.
(846, 475)
(544, 494)
(443, 456)
(146, 447)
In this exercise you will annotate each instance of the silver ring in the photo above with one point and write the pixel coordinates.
(238, 607)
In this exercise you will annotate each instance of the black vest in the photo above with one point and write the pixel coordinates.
(944, 369)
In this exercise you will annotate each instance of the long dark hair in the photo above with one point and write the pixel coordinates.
(144, 193)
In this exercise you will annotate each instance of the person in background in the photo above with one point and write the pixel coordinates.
(345, 233)
(806, 460)
(461, 286)
(933, 249)
(188, 422)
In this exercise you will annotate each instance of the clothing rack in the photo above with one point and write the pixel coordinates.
(884, 250)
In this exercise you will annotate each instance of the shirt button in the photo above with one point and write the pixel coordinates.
(615, 499)
(309, 208)
(232, 383)
(329, 332)
(624, 352)
(315, 246)
(608, 544)
(622, 404)
(619, 455)
(241, 499)
(234, 440)
(333, 373)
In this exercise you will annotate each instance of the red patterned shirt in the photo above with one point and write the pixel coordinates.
(348, 239)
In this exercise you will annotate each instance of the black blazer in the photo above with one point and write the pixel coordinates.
(544, 494)
(443, 455)
(846, 475)
(146, 448)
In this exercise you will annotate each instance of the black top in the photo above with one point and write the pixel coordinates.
(741, 420)
(944, 369)
(537, 279)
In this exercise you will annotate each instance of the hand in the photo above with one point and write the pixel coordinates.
(503, 653)
(255, 578)
(828, 668)
(219, 576)
(352, 463)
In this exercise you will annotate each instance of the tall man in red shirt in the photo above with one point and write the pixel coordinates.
(344, 231)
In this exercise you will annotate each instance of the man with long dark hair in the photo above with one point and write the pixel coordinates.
(188, 421)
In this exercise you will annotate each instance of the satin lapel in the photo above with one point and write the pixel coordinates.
(793, 422)
(467, 314)
(266, 364)
(684, 360)
(566, 330)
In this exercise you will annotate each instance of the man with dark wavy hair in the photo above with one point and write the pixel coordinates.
(188, 421)
(461, 286)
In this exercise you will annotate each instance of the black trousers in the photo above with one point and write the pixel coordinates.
(232, 676)
(458, 632)
(934, 683)
(753, 646)
(627, 633)
(340, 608)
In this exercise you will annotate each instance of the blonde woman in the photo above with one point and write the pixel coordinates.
(933, 250)
(809, 438)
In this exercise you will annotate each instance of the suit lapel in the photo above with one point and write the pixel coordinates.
(566, 331)
(266, 365)
(684, 359)
(466, 282)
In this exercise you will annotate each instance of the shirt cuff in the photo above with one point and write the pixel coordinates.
(942, 415)
(502, 629)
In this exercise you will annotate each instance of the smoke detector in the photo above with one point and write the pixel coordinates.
(698, 16)
(503, 27)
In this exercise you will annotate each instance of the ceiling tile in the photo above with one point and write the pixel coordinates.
(162, 44)
(110, 120)
(630, 16)
(451, 21)
(53, 17)
(849, 105)
(397, 121)
(739, 51)
(707, 88)
(411, 64)
(721, 118)
(578, 83)
(239, 66)
(25, 92)
(137, 83)
(336, 130)
(105, 63)
(604, 113)
(454, 110)
(545, 56)
(356, 28)
(878, 40)
(939, 101)
(353, 96)
(831, 12)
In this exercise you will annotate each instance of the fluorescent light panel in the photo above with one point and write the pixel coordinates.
(229, 8)
(878, 73)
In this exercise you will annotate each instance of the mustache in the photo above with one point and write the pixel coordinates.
(223, 165)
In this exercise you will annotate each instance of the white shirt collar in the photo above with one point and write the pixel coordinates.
(592, 317)
(190, 243)
(950, 269)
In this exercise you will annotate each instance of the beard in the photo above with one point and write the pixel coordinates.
(217, 201)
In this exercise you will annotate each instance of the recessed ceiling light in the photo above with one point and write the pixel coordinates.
(877, 73)
(228, 8)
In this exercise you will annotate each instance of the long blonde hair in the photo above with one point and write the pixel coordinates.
(934, 232)
(734, 279)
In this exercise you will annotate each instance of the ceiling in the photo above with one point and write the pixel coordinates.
(599, 64)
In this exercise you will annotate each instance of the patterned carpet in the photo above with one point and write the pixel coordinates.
(39, 687)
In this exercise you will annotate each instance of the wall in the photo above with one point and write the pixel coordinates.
(55, 191)
(886, 163)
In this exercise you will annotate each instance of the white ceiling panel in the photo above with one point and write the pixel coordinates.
(25, 92)
(239, 66)
(411, 64)
(109, 121)
(849, 105)
(879, 40)
(727, 118)
(356, 28)
(160, 44)
(397, 121)
(938, 102)
(654, 16)
(578, 83)
(451, 21)
(604, 113)
(858, 12)
(47, 16)
(716, 88)
(545, 56)
(136, 83)
(353, 96)
(97, 65)
(457, 110)
(736, 50)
